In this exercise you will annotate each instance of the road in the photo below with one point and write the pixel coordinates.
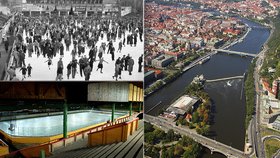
(211, 144)
(259, 146)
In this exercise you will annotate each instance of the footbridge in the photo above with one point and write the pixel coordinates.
(211, 144)
(224, 79)
(235, 52)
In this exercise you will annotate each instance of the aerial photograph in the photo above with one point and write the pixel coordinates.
(212, 75)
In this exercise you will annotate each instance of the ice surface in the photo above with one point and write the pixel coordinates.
(53, 125)
(40, 70)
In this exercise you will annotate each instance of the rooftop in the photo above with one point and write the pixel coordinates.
(182, 105)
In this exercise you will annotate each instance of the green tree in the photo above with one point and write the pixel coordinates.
(161, 111)
(164, 153)
(148, 127)
(205, 130)
(195, 117)
(170, 135)
(178, 151)
(185, 141)
(152, 151)
(171, 151)
(150, 137)
(159, 134)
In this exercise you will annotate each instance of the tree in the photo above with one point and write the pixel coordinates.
(161, 111)
(178, 151)
(205, 117)
(151, 151)
(192, 151)
(195, 117)
(170, 151)
(198, 130)
(159, 134)
(150, 137)
(170, 135)
(185, 141)
(164, 153)
(205, 130)
(148, 127)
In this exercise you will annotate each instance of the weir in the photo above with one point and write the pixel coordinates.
(224, 79)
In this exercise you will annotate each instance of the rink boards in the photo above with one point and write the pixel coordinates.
(49, 132)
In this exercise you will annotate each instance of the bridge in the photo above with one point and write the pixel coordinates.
(224, 79)
(260, 27)
(235, 52)
(211, 144)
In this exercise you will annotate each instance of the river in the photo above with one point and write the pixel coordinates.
(229, 105)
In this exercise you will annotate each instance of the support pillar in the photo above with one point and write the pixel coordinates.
(42, 154)
(140, 108)
(113, 112)
(65, 109)
(130, 109)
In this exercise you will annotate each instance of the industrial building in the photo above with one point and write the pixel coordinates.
(182, 105)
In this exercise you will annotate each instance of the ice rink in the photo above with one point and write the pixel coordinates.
(53, 125)
(40, 70)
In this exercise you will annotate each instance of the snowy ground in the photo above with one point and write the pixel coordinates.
(53, 125)
(41, 72)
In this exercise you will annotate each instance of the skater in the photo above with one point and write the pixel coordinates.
(23, 70)
(100, 64)
(12, 72)
(69, 66)
(101, 52)
(61, 49)
(87, 72)
(6, 43)
(29, 68)
(49, 63)
(21, 56)
(59, 73)
(126, 62)
(110, 46)
(30, 49)
(140, 61)
(135, 39)
(122, 62)
(60, 63)
(112, 52)
(74, 67)
(130, 65)
(117, 69)
(82, 64)
(120, 47)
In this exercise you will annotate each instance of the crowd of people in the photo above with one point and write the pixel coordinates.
(86, 40)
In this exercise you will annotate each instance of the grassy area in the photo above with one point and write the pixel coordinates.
(269, 131)
(273, 55)
(250, 93)
(271, 147)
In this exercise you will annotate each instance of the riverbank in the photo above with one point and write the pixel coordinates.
(193, 63)
(251, 89)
